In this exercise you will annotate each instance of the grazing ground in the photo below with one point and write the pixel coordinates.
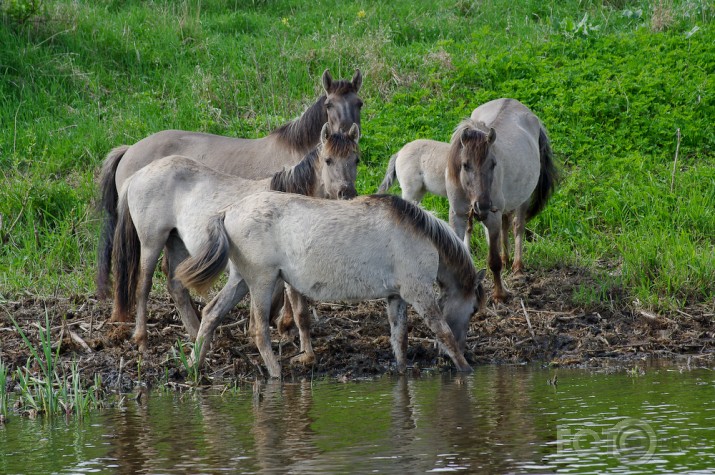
(541, 323)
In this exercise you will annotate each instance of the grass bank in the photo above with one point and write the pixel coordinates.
(623, 87)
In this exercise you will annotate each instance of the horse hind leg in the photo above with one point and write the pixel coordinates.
(227, 298)
(302, 320)
(505, 257)
(493, 225)
(261, 296)
(174, 253)
(519, 227)
(148, 261)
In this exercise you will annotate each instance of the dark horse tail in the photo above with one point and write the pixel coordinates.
(109, 198)
(548, 177)
(389, 175)
(203, 268)
(125, 253)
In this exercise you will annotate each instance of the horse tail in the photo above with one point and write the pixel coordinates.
(548, 177)
(108, 204)
(203, 268)
(390, 175)
(126, 252)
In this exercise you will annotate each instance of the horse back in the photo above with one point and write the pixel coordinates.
(420, 165)
(247, 158)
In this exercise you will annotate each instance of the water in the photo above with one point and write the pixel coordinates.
(499, 420)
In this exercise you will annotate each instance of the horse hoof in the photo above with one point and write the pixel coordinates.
(303, 359)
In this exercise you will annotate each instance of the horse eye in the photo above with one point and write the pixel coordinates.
(328, 161)
(328, 105)
(466, 166)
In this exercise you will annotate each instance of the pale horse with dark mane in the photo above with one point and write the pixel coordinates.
(336, 250)
(248, 158)
(498, 168)
(168, 203)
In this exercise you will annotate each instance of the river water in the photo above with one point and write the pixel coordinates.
(501, 419)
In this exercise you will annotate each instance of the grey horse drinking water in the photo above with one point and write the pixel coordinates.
(332, 250)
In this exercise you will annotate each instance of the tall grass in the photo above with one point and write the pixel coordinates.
(51, 390)
(612, 81)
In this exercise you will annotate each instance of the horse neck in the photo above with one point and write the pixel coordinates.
(301, 179)
(303, 133)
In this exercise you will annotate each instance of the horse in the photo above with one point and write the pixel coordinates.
(248, 158)
(332, 250)
(419, 167)
(167, 204)
(497, 167)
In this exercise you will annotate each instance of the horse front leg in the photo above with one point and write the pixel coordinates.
(434, 318)
(493, 225)
(397, 315)
(302, 320)
(458, 221)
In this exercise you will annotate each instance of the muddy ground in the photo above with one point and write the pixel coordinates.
(540, 323)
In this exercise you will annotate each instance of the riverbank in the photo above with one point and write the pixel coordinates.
(541, 323)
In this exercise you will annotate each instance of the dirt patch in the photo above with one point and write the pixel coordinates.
(540, 323)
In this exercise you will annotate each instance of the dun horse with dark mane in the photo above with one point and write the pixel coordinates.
(497, 168)
(247, 158)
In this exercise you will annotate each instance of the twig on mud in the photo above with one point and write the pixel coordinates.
(528, 321)
(291, 356)
(77, 339)
(655, 318)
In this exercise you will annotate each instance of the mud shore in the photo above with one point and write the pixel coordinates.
(540, 324)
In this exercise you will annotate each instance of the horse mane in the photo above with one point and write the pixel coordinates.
(471, 136)
(302, 133)
(449, 247)
(300, 178)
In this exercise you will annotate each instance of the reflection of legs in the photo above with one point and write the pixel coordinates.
(397, 315)
(175, 252)
(302, 320)
(147, 264)
(232, 293)
(261, 294)
(428, 309)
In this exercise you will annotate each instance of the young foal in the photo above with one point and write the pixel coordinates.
(168, 203)
(327, 251)
(248, 158)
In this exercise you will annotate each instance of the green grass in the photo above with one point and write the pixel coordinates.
(612, 81)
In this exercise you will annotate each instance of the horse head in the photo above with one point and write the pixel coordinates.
(339, 156)
(458, 305)
(471, 165)
(342, 104)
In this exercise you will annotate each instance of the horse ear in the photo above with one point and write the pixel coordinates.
(325, 133)
(492, 135)
(327, 81)
(481, 274)
(354, 133)
(357, 80)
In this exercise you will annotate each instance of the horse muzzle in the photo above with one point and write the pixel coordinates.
(481, 210)
(347, 193)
